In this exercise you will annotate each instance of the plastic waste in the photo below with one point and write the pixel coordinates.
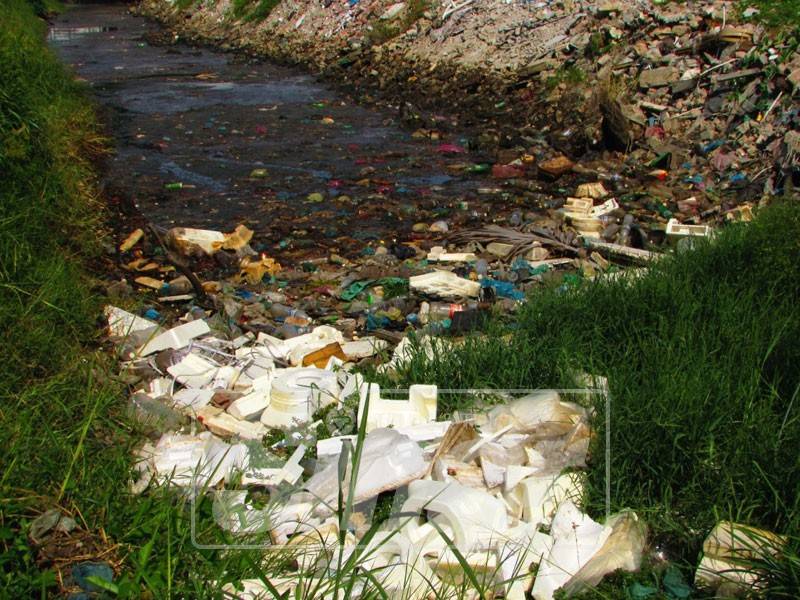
(726, 553)
(193, 371)
(677, 229)
(475, 517)
(190, 460)
(388, 460)
(84, 573)
(297, 393)
(503, 289)
(418, 409)
(121, 323)
(542, 495)
(153, 414)
(251, 406)
(622, 551)
(444, 284)
(195, 242)
(438, 254)
(176, 338)
(577, 538)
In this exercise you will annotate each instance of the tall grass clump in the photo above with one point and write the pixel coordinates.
(704, 369)
(252, 10)
(775, 14)
(53, 401)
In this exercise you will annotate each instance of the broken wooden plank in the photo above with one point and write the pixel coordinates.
(617, 250)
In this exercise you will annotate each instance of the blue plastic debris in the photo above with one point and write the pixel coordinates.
(84, 572)
(503, 289)
(377, 322)
(520, 264)
(711, 146)
(738, 178)
(696, 179)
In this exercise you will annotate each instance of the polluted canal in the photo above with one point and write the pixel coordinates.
(208, 139)
(293, 255)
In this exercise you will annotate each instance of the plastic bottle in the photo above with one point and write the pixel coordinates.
(625, 235)
(281, 311)
(439, 311)
(481, 267)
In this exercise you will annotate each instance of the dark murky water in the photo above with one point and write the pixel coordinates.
(181, 114)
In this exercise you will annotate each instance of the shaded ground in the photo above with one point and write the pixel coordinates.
(180, 114)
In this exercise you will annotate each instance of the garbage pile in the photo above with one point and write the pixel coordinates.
(440, 282)
(246, 392)
(490, 484)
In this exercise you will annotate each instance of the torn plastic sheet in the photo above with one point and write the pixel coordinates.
(363, 348)
(294, 349)
(226, 425)
(439, 254)
(543, 412)
(233, 512)
(193, 400)
(577, 539)
(444, 284)
(389, 460)
(399, 565)
(189, 461)
(621, 551)
(518, 552)
(193, 371)
(726, 551)
(289, 473)
(476, 518)
(542, 495)
(407, 349)
(121, 323)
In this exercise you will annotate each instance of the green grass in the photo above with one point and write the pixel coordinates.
(54, 410)
(382, 31)
(252, 10)
(776, 14)
(704, 374)
(571, 75)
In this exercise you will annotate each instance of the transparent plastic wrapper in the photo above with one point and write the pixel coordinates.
(542, 412)
(577, 539)
(622, 551)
